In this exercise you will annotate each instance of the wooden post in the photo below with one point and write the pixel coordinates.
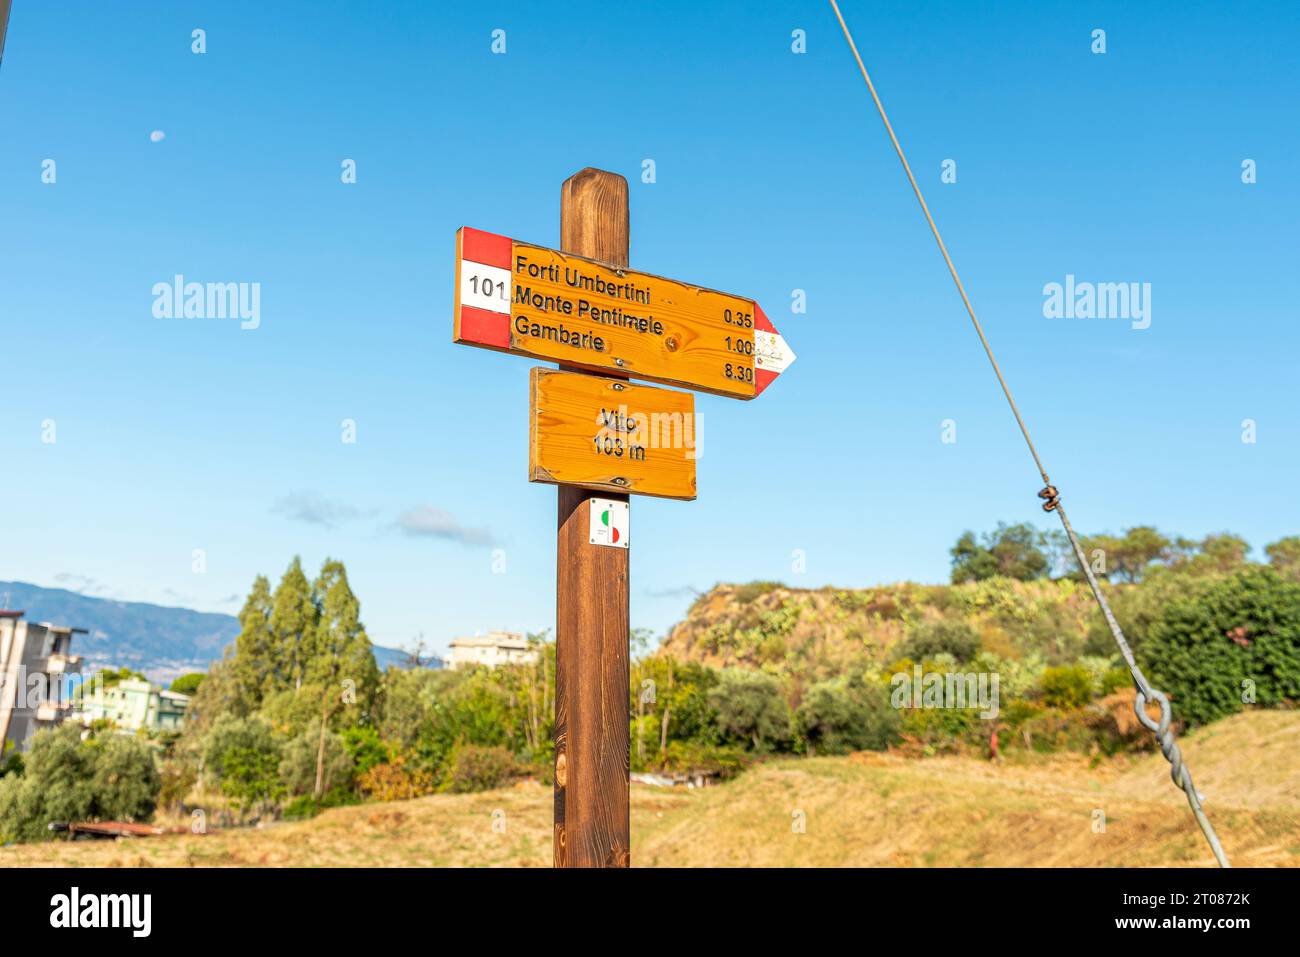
(592, 823)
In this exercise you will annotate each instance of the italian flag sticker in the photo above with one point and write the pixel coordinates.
(609, 523)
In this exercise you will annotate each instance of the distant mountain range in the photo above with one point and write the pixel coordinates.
(158, 641)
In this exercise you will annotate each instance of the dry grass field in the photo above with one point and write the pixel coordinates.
(863, 810)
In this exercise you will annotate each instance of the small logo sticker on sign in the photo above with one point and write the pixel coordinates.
(609, 523)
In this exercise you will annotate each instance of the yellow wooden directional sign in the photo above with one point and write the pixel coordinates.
(611, 435)
(539, 302)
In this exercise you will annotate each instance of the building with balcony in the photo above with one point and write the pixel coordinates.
(494, 648)
(36, 677)
(133, 704)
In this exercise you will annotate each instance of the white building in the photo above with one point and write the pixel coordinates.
(494, 648)
(36, 663)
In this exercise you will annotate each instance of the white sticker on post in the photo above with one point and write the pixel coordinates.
(609, 523)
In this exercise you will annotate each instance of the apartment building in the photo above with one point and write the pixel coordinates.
(133, 704)
(36, 665)
(494, 648)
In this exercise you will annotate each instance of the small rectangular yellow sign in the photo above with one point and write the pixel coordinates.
(611, 435)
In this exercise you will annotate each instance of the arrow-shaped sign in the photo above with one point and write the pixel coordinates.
(542, 303)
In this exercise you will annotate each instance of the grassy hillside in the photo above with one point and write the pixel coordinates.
(867, 809)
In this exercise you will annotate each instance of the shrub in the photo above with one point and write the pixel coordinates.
(394, 781)
(1242, 632)
(1067, 686)
(748, 592)
(477, 768)
(126, 782)
(475, 711)
(751, 709)
(251, 778)
(365, 747)
(66, 779)
(844, 715)
(243, 756)
(943, 636)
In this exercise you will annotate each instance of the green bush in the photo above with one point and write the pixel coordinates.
(474, 711)
(243, 755)
(943, 636)
(66, 779)
(751, 709)
(725, 761)
(474, 767)
(126, 781)
(1067, 686)
(1241, 634)
(365, 747)
(843, 715)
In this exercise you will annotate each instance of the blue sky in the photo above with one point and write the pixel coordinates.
(773, 174)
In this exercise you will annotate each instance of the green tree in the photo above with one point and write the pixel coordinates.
(255, 662)
(1284, 556)
(243, 756)
(1236, 640)
(188, 684)
(126, 781)
(406, 702)
(68, 780)
(1127, 557)
(846, 714)
(293, 625)
(475, 710)
(751, 709)
(1011, 551)
(1218, 554)
(341, 661)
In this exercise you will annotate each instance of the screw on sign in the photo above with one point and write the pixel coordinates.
(591, 430)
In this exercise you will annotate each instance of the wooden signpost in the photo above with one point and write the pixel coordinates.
(600, 437)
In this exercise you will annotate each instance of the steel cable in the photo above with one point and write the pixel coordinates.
(1179, 772)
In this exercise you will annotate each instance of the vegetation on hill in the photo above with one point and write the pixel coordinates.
(1011, 658)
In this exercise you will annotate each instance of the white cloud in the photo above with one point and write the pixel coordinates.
(315, 509)
(425, 521)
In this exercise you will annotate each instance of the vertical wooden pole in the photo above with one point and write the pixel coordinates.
(592, 826)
